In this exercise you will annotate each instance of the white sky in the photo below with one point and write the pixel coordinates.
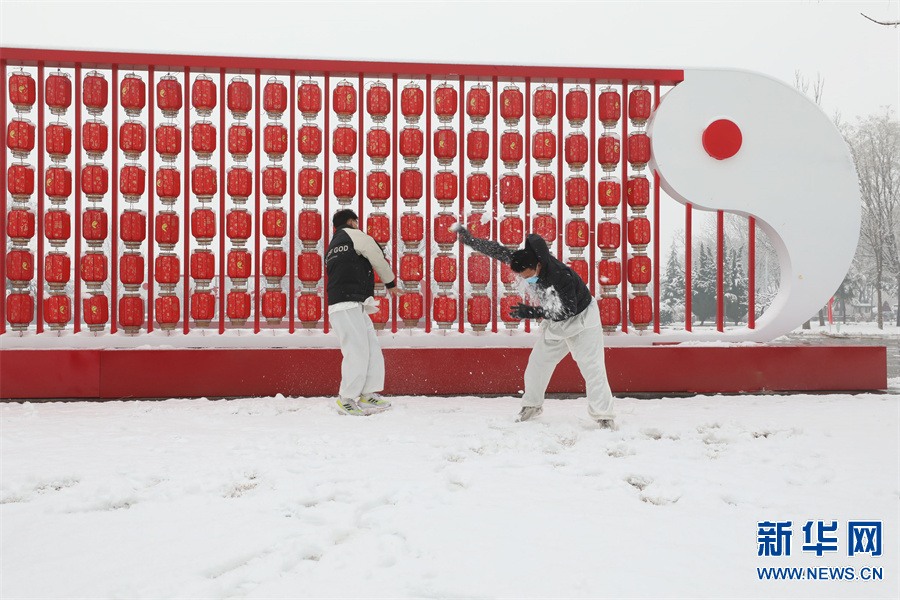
(859, 60)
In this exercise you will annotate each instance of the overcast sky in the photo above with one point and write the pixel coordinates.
(858, 60)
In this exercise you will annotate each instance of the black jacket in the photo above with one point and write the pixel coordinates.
(350, 262)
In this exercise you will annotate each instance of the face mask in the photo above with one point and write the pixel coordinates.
(532, 279)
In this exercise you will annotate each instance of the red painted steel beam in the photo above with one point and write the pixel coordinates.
(751, 275)
(688, 233)
(3, 207)
(720, 271)
(76, 284)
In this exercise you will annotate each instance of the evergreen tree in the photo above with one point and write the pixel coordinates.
(735, 287)
(671, 306)
(703, 286)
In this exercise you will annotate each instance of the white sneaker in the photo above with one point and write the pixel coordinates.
(348, 407)
(373, 403)
(607, 424)
(528, 412)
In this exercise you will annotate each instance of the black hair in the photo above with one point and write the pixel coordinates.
(523, 259)
(342, 217)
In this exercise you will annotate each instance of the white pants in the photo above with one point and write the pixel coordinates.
(581, 335)
(362, 369)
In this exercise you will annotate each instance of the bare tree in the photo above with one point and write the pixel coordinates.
(888, 23)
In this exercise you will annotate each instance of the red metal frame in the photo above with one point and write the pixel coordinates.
(751, 275)
(720, 271)
(77, 97)
(3, 206)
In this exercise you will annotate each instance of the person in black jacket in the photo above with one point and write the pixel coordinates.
(352, 259)
(571, 324)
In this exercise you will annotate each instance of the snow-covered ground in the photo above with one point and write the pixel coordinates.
(441, 497)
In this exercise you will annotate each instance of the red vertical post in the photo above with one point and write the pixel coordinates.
(592, 160)
(186, 256)
(462, 201)
(361, 145)
(623, 148)
(395, 107)
(292, 215)
(559, 172)
(687, 266)
(656, 231)
(151, 187)
(751, 276)
(114, 211)
(222, 192)
(326, 190)
(41, 177)
(527, 144)
(720, 271)
(3, 207)
(428, 308)
(495, 300)
(76, 260)
(257, 295)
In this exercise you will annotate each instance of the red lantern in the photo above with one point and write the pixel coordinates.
(638, 231)
(609, 109)
(378, 102)
(239, 264)
(168, 311)
(168, 96)
(237, 305)
(544, 107)
(132, 228)
(381, 316)
(410, 308)
(478, 269)
(477, 226)
(309, 182)
(479, 312)
(411, 184)
(412, 102)
(238, 224)
(609, 235)
(511, 148)
(274, 182)
(444, 311)
(309, 309)
(20, 225)
(640, 311)
(576, 149)
(274, 265)
(274, 306)
(57, 268)
(20, 137)
(167, 270)
(507, 303)
(445, 186)
(309, 228)
(344, 100)
(639, 270)
(411, 143)
(19, 311)
(478, 103)
(133, 139)
(478, 188)
(59, 141)
(168, 228)
(478, 146)
(578, 233)
(203, 181)
(411, 267)
(274, 98)
(309, 267)
(95, 92)
(609, 272)
(133, 94)
(20, 182)
(545, 226)
(94, 181)
(203, 224)
(240, 97)
(412, 227)
(57, 226)
(310, 142)
(639, 105)
(21, 91)
(378, 187)
(275, 140)
(203, 266)
(379, 227)
(168, 184)
(94, 225)
(580, 266)
(638, 192)
(131, 271)
(576, 107)
(240, 141)
(309, 99)
(57, 311)
(444, 270)
(446, 102)
(19, 265)
(442, 232)
(203, 307)
(203, 139)
(608, 151)
(638, 149)
(239, 182)
(131, 313)
(274, 223)
(610, 313)
(543, 146)
(344, 143)
(58, 92)
(511, 231)
(577, 193)
(203, 95)
(543, 187)
(445, 144)
(511, 190)
(58, 183)
(378, 144)
(512, 104)
(168, 141)
(96, 312)
(609, 193)
(132, 182)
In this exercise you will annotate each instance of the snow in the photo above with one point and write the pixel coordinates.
(439, 497)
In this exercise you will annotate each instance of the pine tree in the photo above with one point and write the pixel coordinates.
(673, 286)
(703, 287)
(735, 287)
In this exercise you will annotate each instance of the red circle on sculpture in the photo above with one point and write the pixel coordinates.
(722, 139)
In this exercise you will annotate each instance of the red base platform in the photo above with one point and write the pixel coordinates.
(183, 373)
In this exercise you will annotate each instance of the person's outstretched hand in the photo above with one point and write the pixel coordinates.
(525, 311)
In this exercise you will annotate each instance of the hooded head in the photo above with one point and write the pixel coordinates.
(523, 260)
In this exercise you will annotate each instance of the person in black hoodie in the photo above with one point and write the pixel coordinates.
(352, 259)
(571, 323)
